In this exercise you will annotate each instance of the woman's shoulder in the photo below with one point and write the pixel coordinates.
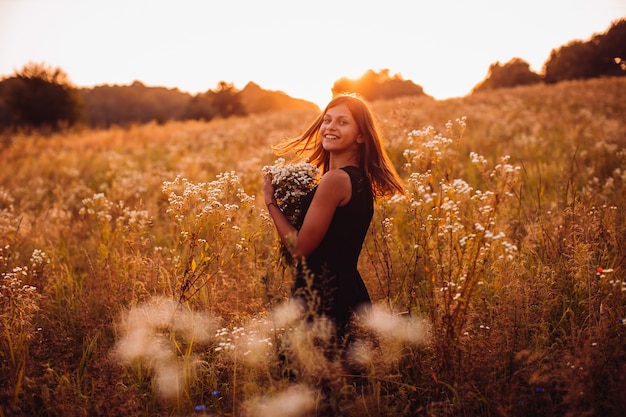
(335, 177)
(335, 185)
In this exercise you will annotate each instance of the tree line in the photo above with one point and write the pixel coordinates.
(604, 55)
(39, 96)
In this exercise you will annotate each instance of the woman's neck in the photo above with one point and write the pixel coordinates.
(343, 160)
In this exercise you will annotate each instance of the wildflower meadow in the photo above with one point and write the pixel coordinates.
(140, 274)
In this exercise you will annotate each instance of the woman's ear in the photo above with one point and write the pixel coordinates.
(360, 139)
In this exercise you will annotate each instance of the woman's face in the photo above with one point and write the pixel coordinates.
(339, 131)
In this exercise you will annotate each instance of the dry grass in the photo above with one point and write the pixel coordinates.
(139, 277)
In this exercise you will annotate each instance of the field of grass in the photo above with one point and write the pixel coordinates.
(140, 275)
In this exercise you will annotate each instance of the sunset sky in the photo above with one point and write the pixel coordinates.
(298, 47)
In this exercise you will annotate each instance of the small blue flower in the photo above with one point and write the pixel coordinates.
(215, 393)
(539, 390)
(200, 407)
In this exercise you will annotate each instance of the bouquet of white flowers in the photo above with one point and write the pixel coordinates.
(291, 183)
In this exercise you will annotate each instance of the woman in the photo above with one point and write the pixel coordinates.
(345, 144)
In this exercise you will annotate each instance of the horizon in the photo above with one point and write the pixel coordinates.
(445, 48)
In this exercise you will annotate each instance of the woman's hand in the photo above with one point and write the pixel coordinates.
(285, 229)
(268, 189)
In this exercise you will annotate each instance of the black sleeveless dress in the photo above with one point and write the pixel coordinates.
(331, 271)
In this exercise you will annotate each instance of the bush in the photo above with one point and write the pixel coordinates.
(43, 97)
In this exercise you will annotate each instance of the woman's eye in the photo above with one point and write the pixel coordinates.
(339, 122)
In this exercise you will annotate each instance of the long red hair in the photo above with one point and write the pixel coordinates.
(372, 157)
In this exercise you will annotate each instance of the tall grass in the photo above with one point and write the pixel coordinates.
(140, 277)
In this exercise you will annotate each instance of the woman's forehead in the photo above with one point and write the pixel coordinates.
(339, 110)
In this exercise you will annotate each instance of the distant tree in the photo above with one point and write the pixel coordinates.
(43, 96)
(6, 86)
(602, 55)
(612, 50)
(226, 100)
(199, 107)
(573, 61)
(514, 73)
(257, 100)
(377, 86)
(136, 103)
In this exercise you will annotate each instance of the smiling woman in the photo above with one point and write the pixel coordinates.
(194, 45)
(346, 145)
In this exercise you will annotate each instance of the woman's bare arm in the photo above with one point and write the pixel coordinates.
(334, 190)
